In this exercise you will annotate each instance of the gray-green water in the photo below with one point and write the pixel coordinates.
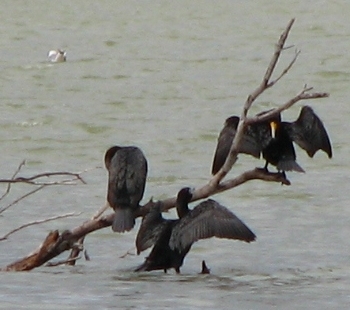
(164, 76)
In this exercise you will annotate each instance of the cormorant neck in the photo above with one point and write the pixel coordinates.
(183, 198)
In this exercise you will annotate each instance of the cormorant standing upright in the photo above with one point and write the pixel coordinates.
(127, 172)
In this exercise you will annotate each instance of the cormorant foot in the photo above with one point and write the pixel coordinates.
(205, 269)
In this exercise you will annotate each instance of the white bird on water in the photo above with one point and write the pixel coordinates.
(56, 55)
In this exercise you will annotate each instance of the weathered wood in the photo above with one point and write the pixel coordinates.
(56, 243)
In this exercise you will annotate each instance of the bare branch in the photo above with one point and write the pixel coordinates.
(265, 84)
(36, 223)
(279, 48)
(75, 252)
(62, 262)
(303, 95)
(31, 180)
(266, 79)
(285, 71)
(56, 243)
(9, 184)
(211, 188)
(53, 245)
(21, 198)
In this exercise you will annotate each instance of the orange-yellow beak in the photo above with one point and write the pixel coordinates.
(273, 126)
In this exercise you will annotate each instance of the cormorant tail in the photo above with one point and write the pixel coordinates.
(289, 165)
(123, 220)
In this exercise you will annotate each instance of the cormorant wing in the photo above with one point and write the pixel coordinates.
(208, 219)
(150, 229)
(248, 144)
(309, 132)
(135, 175)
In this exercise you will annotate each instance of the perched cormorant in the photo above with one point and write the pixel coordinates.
(172, 239)
(127, 172)
(57, 55)
(274, 140)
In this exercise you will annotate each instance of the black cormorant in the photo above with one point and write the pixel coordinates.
(127, 172)
(274, 140)
(172, 239)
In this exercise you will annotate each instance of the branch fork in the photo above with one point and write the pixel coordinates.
(56, 243)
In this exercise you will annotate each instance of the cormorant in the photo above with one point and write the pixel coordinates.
(172, 239)
(274, 140)
(127, 172)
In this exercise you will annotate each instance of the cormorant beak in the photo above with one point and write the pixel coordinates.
(273, 126)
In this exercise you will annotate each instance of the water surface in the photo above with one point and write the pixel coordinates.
(164, 76)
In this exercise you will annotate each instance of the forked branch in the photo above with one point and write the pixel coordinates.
(56, 243)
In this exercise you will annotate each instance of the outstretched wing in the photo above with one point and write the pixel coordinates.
(208, 219)
(248, 144)
(151, 227)
(309, 132)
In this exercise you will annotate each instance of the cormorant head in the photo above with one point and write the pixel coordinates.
(109, 155)
(184, 196)
(232, 122)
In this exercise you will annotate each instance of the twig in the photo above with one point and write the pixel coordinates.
(54, 244)
(75, 251)
(303, 95)
(285, 71)
(265, 84)
(21, 198)
(279, 48)
(9, 184)
(31, 180)
(36, 223)
(62, 262)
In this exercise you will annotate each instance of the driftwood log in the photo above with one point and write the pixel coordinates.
(56, 243)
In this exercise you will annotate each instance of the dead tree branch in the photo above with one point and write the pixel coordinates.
(13, 176)
(32, 181)
(21, 198)
(56, 243)
(36, 223)
(264, 85)
(75, 252)
(303, 95)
